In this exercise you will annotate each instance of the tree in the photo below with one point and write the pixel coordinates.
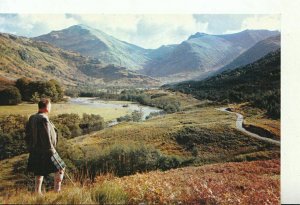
(22, 85)
(35, 97)
(10, 96)
(59, 94)
(50, 89)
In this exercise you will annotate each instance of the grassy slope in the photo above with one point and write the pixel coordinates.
(8, 178)
(23, 57)
(37, 56)
(225, 142)
(218, 141)
(229, 183)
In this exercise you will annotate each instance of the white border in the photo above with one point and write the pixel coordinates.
(141, 6)
(290, 167)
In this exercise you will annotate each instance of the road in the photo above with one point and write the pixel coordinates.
(239, 126)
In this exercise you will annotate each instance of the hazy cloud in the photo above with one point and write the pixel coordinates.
(149, 31)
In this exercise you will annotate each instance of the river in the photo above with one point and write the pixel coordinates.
(94, 102)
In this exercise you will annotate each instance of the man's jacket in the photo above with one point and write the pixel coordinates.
(41, 134)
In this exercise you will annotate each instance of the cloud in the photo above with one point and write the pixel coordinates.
(33, 25)
(270, 22)
(166, 29)
(221, 23)
(148, 31)
(231, 23)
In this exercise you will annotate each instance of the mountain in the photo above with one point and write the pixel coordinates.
(199, 55)
(257, 83)
(254, 53)
(97, 44)
(202, 53)
(23, 57)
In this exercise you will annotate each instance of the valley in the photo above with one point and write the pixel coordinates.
(192, 122)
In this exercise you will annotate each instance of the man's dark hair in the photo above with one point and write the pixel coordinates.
(43, 103)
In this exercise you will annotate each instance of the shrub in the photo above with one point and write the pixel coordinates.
(128, 159)
(109, 193)
(12, 135)
(10, 96)
(136, 116)
(91, 122)
(71, 125)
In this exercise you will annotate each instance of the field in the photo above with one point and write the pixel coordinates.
(60, 108)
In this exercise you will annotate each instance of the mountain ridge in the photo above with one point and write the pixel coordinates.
(257, 83)
(202, 53)
(97, 44)
(24, 57)
(198, 54)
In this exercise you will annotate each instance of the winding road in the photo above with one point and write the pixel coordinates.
(239, 126)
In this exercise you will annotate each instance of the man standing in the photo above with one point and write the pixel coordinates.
(41, 139)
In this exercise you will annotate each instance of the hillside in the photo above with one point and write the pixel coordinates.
(97, 44)
(257, 83)
(5, 82)
(202, 53)
(228, 183)
(23, 57)
(254, 53)
(197, 135)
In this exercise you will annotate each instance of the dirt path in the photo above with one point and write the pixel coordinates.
(239, 126)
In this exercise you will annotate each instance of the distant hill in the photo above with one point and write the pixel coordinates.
(23, 57)
(257, 83)
(202, 53)
(254, 53)
(97, 44)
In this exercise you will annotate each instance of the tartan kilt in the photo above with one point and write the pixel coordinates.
(41, 164)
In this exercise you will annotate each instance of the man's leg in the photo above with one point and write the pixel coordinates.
(59, 175)
(38, 184)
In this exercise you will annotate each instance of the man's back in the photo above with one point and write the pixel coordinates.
(40, 133)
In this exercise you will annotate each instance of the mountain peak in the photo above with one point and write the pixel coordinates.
(197, 35)
(80, 27)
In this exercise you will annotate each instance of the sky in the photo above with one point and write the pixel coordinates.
(148, 31)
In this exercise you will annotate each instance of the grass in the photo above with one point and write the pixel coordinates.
(9, 178)
(216, 138)
(255, 182)
(60, 108)
(229, 183)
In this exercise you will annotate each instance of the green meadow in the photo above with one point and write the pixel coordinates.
(60, 108)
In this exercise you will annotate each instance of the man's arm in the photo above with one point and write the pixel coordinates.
(28, 137)
(46, 137)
